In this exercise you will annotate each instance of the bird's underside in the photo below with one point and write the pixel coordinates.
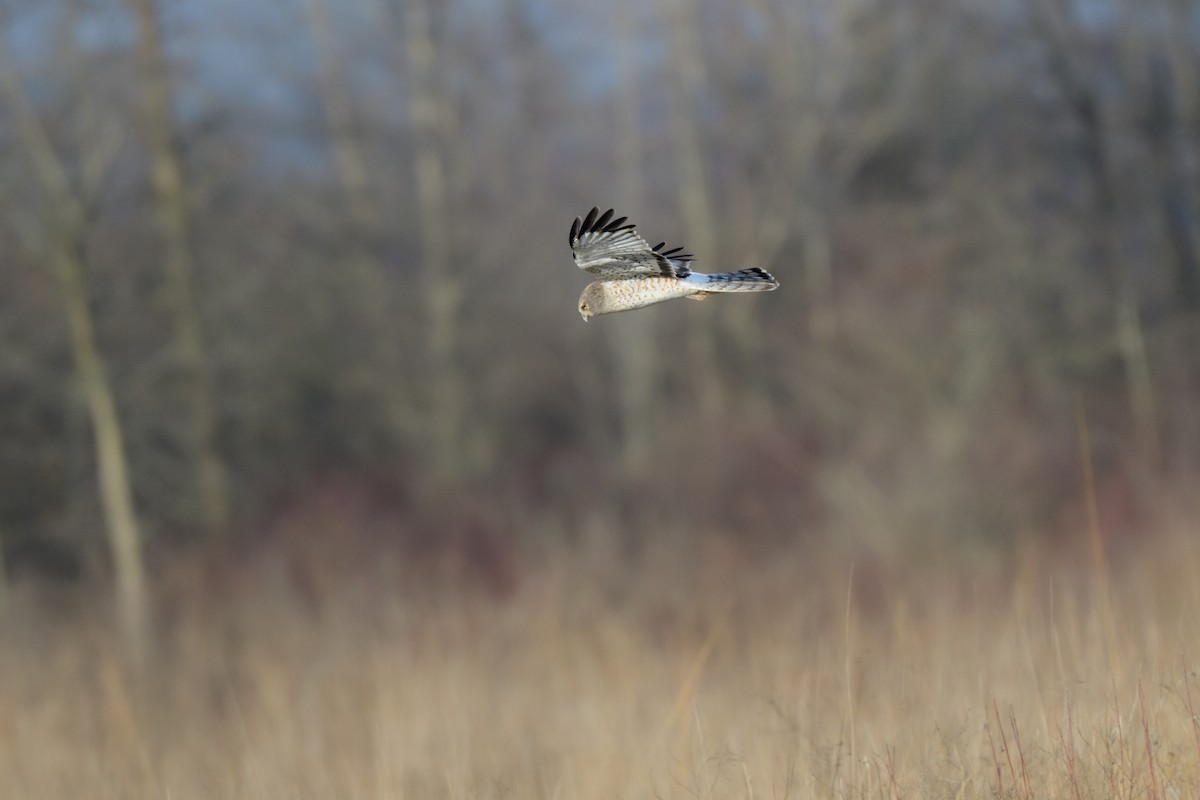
(632, 274)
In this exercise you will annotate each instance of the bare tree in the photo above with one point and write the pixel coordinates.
(633, 344)
(3, 578)
(175, 222)
(687, 59)
(351, 163)
(62, 243)
(1079, 72)
(375, 292)
(445, 399)
(1174, 167)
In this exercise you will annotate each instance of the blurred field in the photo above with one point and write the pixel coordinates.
(805, 675)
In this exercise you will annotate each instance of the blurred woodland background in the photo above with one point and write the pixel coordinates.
(295, 275)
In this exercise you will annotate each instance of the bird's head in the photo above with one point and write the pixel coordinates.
(591, 302)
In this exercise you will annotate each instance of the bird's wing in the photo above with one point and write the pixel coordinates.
(608, 248)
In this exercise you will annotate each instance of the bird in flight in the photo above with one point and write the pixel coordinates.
(631, 274)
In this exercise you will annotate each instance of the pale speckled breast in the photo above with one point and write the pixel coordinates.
(622, 295)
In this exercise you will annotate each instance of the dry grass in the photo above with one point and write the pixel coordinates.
(711, 678)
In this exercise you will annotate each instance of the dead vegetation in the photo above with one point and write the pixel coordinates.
(704, 673)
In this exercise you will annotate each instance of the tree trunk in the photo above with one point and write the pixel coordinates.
(1093, 115)
(633, 342)
(179, 261)
(112, 467)
(1173, 163)
(695, 200)
(442, 285)
(3, 577)
(375, 292)
(1127, 325)
(339, 123)
(66, 258)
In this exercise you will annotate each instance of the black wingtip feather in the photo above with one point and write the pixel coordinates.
(574, 231)
(674, 252)
(595, 222)
(761, 273)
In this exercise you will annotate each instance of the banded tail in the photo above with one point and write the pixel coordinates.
(744, 280)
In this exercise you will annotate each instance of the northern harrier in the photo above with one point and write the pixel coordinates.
(632, 274)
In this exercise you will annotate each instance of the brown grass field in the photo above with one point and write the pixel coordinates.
(1068, 673)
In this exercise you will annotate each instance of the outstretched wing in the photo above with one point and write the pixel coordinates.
(610, 249)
